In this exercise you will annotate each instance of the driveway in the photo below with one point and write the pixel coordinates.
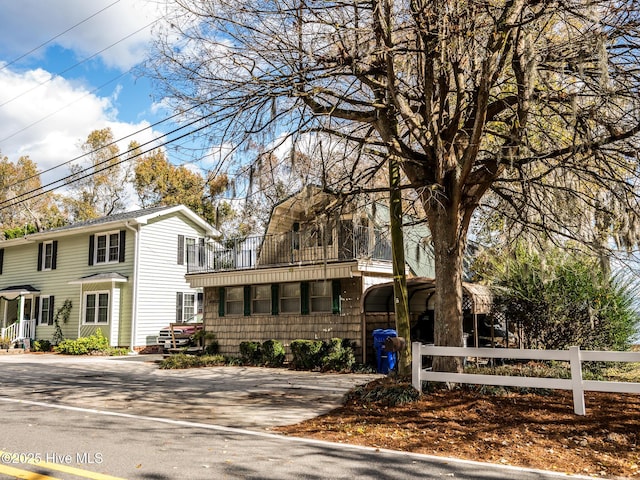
(243, 397)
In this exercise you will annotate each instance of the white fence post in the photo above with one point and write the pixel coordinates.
(416, 365)
(576, 381)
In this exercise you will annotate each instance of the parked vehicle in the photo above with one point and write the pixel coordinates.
(183, 334)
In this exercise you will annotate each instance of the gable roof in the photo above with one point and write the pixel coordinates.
(137, 217)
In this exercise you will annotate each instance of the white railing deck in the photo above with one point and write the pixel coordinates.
(19, 330)
(574, 355)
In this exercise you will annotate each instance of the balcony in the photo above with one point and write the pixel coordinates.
(306, 247)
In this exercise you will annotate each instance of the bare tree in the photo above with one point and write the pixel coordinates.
(466, 95)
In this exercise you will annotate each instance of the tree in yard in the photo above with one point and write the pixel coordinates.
(467, 96)
(98, 185)
(19, 215)
(158, 182)
(560, 298)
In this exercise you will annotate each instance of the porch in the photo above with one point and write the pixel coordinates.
(306, 246)
(18, 315)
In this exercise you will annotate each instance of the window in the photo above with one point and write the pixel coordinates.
(320, 295)
(106, 248)
(290, 298)
(47, 256)
(46, 310)
(261, 299)
(96, 308)
(188, 307)
(191, 250)
(234, 300)
(47, 252)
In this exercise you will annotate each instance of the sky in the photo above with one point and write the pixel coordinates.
(67, 68)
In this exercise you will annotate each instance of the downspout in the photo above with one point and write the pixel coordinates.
(134, 301)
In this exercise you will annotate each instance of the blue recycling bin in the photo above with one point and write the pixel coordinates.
(385, 361)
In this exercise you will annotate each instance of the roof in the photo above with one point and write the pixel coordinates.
(17, 290)
(101, 277)
(481, 296)
(137, 217)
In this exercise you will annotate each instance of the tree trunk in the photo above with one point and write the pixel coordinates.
(449, 241)
(400, 295)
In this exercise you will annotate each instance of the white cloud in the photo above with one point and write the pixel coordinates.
(53, 119)
(119, 32)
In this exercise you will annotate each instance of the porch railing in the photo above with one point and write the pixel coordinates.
(303, 247)
(19, 330)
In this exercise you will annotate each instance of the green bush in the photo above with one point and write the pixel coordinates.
(41, 346)
(272, 353)
(307, 354)
(251, 353)
(181, 361)
(337, 355)
(84, 345)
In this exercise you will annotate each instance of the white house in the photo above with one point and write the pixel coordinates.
(124, 274)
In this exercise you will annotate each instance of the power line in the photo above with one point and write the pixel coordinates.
(159, 122)
(59, 74)
(92, 171)
(56, 37)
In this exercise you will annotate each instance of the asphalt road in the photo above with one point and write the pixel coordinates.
(104, 419)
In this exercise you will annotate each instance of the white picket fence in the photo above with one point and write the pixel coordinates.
(574, 355)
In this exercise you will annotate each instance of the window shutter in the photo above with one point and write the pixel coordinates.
(54, 254)
(178, 307)
(336, 290)
(247, 301)
(51, 310)
(92, 247)
(304, 298)
(123, 242)
(180, 249)
(40, 256)
(275, 298)
(37, 313)
(221, 302)
(1, 259)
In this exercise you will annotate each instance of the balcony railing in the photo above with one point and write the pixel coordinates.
(299, 248)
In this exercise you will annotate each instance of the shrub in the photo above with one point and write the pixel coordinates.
(251, 353)
(337, 355)
(307, 354)
(5, 342)
(181, 361)
(386, 392)
(41, 346)
(272, 353)
(84, 345)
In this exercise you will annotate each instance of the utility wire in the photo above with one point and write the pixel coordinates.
(56, 37)
(92, 171)
(159, 122)
(59, 74)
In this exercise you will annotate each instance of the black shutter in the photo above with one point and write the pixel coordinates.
(221, 302)
(1, 259)
(40, 256)
(275, 298)
(123, 242)
(54, 254)
(51, 310)
(247, 300)
(179, 307)
(92, 247)
(180, 249)
(335, 291)
(304, 298)
(37, 310)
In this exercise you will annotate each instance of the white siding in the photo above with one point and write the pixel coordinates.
(160, 276)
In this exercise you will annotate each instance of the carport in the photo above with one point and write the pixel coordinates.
(378, 308)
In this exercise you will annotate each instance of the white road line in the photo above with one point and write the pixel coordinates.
(274, 436)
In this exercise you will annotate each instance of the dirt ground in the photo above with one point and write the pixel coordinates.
(528, 430)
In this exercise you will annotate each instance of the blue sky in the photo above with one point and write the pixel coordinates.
(48, 103)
